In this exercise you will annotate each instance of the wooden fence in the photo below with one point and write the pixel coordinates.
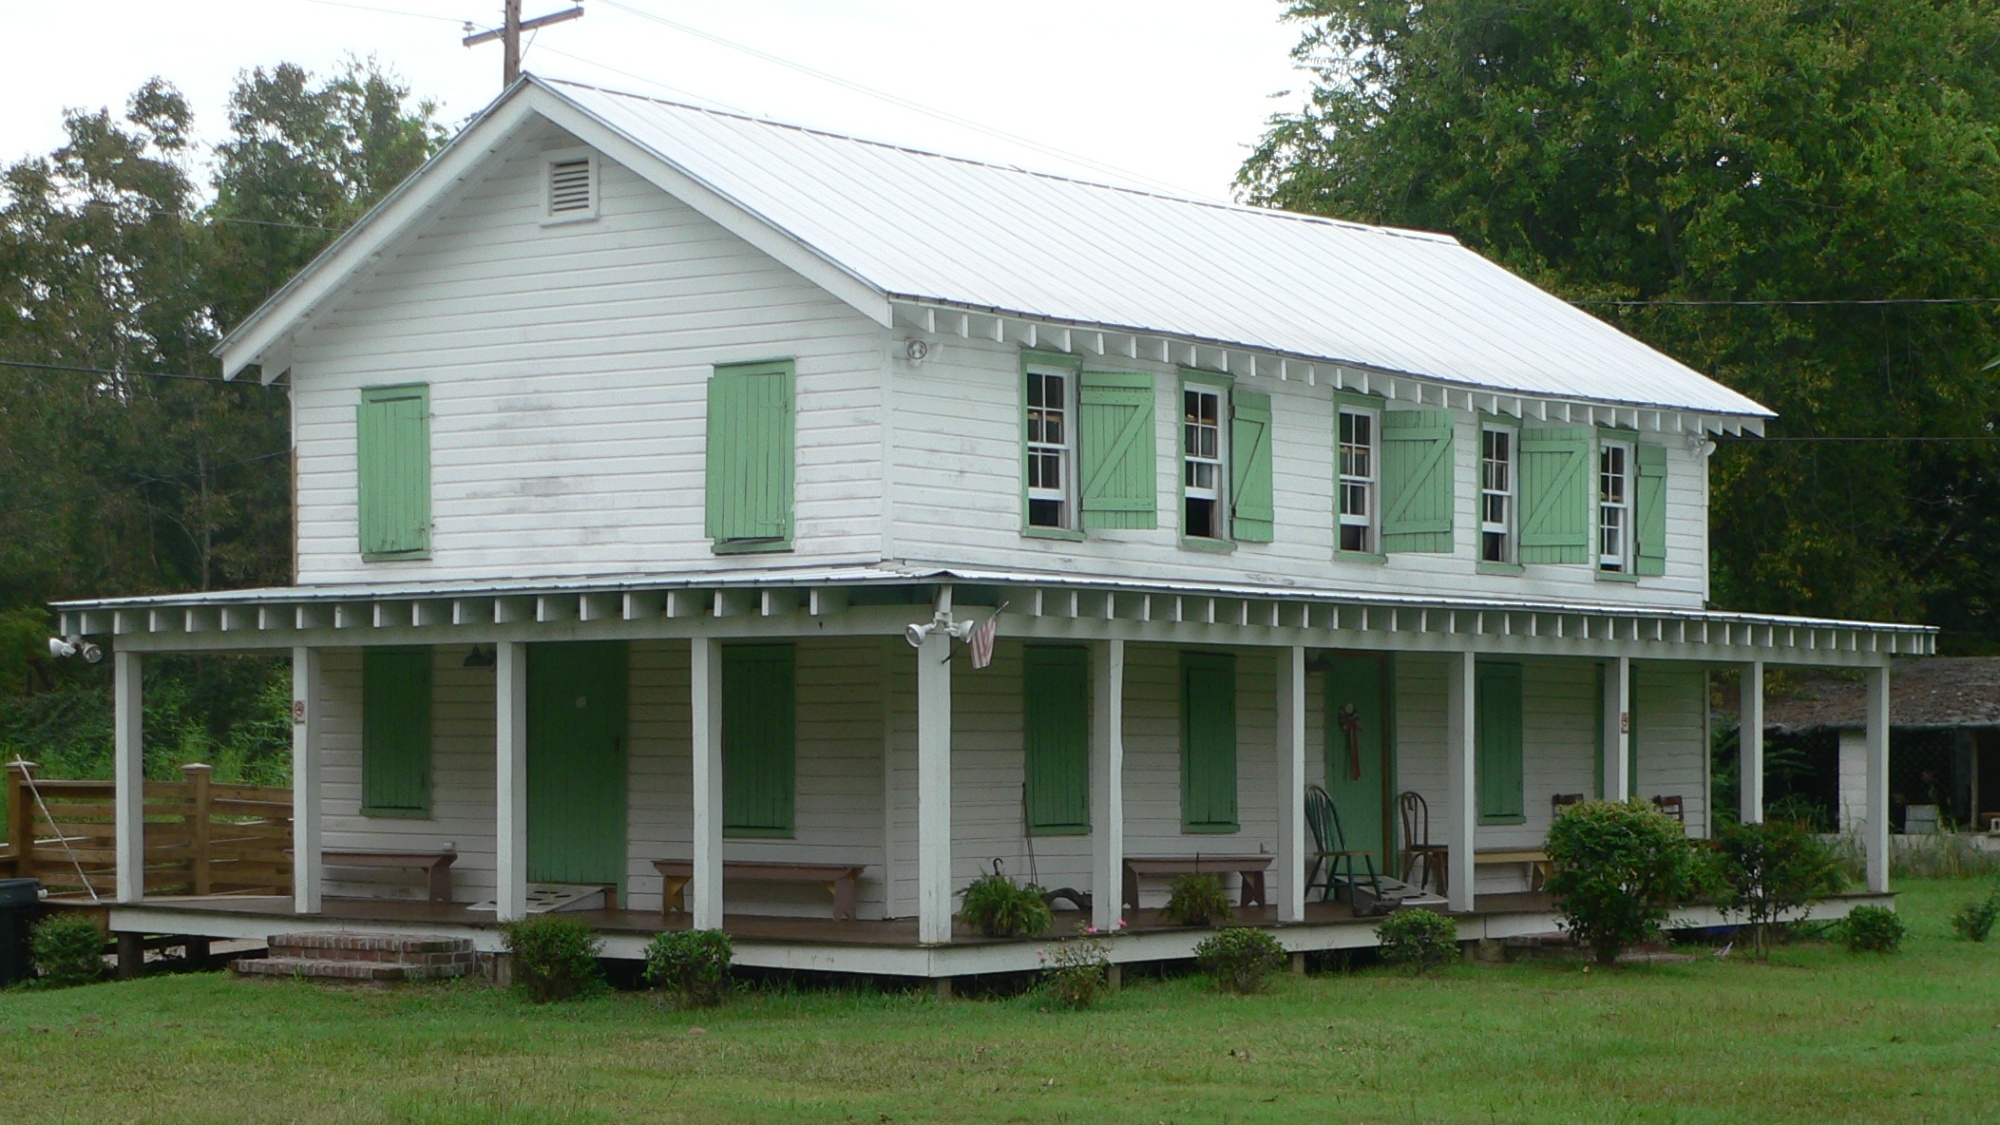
(201, 838)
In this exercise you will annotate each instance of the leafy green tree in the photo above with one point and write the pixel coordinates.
(1703, 151)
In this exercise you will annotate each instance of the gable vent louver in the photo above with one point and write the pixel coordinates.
(570, 187)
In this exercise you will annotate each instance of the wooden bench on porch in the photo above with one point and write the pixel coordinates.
(837, 878)
(1250, 867)
(436, 866)
(1535, 860)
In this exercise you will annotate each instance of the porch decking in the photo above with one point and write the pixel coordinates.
(872, 946)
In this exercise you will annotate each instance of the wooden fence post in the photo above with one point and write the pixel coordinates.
(198, 819)
(21, 817)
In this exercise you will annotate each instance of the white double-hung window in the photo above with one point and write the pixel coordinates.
(1359, 478)
(1496, 495)
(1202, 461)
(1051, 448)
(1614, 507)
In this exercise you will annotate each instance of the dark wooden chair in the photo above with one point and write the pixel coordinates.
(1562, 801)
(1330, 854)
(1417, 846)
(1672, 806)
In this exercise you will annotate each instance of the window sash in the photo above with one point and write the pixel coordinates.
(1614, 507)
(1202, 443)
(1496, 495)
(1050, 449)
(1359, 458)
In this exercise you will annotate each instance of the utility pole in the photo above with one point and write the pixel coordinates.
(509, 34)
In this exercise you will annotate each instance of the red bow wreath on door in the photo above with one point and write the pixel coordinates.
(1350, 724)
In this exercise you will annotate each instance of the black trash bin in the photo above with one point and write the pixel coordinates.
(20, 901)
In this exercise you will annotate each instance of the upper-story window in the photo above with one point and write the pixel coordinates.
(392, 449)
(1496, 495)
(1359, 476)
(1051, 448)
(1202, 461)
(1614, 507)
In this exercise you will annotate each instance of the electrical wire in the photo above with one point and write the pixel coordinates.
(654, 82)
(1832, 302)
(118, 374)
(388, 11)
(75, 497)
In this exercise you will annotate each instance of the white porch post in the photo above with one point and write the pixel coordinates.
(129, 771)
(1750, 745)
(510, 823)
(1291, 745)
(1876, 829)
(308, 887)
(1461, 794)
(1107, 791)
(705, 889)
(934, 788)
(1617, 728)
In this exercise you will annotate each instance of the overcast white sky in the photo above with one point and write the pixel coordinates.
(1169, 91)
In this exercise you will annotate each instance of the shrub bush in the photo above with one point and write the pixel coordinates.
(555, 958)
(1772, 869)
(1418, 939)
(1974, 921)
(996, 907)
(1197, 900)
(1077, 973)
(1873, 929)
(693, 963)
(1239, 958)
(1619, 868)
(68, 949)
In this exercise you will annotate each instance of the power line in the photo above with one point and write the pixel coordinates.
(654, 82)
(897, 100)
(387, 11)
(1789, 302)
(1856, 440)
(113, 491)
(117, 374)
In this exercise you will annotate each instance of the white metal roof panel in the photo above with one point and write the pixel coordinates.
(937, 228)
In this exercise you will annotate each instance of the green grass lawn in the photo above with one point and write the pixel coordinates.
(1816, 1035)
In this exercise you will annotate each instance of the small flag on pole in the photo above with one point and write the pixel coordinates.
(981, 640)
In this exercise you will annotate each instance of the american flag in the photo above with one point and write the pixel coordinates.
(981, 640)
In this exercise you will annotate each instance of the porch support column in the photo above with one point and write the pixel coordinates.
(934, 788)
(1291, 744)
(1876, 828)
(1617, 728)
(510, 822)
(308, 887)
(705, 889)
(1107, 791)
(1461, 803)
(129, 772)
(1750, 745)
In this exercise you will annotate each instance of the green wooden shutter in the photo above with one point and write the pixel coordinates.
(396, 732)
(392, 451)
(1498, 743)
(1417, 474)
(1251, 512)
(750, 455)
(1652, 517)
(759, 739)
(1116, 447)
(1208, 742)
(1055, 711)
(1558, 483)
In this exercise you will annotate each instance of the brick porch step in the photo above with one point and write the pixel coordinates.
(364, 957)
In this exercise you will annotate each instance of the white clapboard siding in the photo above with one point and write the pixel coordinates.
(1673, 742)
(567, 367)
(957, 495)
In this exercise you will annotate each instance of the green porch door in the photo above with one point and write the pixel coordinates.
(1358, 766)
(576, 762)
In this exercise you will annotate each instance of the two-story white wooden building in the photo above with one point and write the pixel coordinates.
(636, 444)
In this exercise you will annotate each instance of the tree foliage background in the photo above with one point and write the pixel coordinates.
(1710, 150)
(118, 472)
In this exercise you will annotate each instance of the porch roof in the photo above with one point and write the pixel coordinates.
(276, 616)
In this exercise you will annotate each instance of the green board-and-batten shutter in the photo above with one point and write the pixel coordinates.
(1116, 448)
(393, 471)
(1651, 525)
(1251, 511)
(1558, 483)
(396, 732)
(1498, 743)
(1417, 473)
(759, 739)
(750, 454)
(1208, 742)
(1055, 710)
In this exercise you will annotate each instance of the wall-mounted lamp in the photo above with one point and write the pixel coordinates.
(481, 656)
(64, 647)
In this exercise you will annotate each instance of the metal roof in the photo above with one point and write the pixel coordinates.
(922, 226)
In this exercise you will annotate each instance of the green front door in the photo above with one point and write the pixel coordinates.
(576, 762)
(1357, 751)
